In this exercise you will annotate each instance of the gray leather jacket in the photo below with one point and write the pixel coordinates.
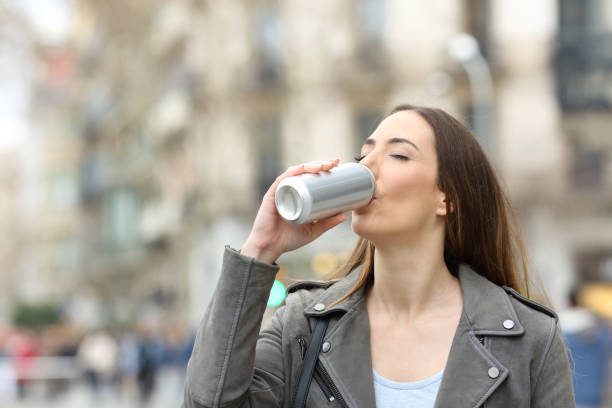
(507, 350)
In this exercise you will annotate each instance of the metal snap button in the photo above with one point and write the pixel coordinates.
(508, 324)
(325, 347)
(319, 306)
(493, 372)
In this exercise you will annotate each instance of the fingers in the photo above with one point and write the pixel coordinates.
(317, 166)
(321, 226)
(310, 167)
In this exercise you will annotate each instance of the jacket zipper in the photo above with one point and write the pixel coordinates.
(323, 378)
(326, 381)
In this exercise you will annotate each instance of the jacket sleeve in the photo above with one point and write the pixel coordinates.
(232, 364)
(553, 386)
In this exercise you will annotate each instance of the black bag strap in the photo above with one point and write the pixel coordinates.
(310, 360)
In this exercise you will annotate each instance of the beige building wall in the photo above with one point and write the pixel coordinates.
(11, 238)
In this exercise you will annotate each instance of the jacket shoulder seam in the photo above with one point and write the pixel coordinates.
(530, 303)
(549, 341)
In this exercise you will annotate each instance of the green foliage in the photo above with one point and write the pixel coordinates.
(35, 315)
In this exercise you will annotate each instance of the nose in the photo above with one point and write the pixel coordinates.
(371, 162)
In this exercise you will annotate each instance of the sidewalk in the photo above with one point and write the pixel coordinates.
(168, 393)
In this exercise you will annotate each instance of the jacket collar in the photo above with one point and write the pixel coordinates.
(338, 289)
(485, 304)
(466, 380)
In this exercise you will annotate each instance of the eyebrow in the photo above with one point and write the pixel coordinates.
(391, 141)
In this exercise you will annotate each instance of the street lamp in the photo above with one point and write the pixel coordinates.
(463, 47)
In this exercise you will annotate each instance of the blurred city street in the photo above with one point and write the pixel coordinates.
(138, 137)
(79, 394)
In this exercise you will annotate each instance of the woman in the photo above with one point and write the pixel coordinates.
(432, 312)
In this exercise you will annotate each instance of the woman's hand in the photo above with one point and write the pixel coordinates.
(272, 235)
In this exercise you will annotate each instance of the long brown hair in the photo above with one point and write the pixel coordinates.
(481, 227)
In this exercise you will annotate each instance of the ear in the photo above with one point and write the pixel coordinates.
(442, 206)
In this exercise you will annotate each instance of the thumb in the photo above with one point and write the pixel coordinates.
(321, 226)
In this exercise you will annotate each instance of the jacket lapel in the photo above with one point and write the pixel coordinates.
(472, 372)
(466, 381)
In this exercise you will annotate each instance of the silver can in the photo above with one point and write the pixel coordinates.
(314, 196)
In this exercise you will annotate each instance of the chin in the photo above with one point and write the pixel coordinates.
(382, 229)
(366, 227)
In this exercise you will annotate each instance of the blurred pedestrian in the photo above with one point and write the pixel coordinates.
(8, 376)
(589, 340)
(128, 365)
(178, 343)
(98, 354)
(59, 340)
(150, 356)
(23, 348)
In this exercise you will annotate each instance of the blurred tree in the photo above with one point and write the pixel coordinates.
(35, 315)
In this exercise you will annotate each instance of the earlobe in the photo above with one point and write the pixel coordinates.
(442, 208)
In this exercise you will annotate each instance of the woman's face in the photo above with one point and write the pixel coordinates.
(401, 153)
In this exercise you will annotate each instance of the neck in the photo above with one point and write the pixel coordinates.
(412, 281)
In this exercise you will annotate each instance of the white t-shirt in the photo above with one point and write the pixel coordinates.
(418, 394)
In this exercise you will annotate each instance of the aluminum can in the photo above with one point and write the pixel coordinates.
(314, 196)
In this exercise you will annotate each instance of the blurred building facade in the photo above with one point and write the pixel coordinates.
(158, 129)
(554, 112)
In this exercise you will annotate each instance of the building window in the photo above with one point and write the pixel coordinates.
(587, 171)
(268, 147)
(370, 31)
(268, 44)
(371, 21)
(583, 63)
(92, 173)
(121, 216)
(366, 122)
(64, 189)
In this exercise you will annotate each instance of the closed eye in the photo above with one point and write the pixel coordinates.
(395, 156)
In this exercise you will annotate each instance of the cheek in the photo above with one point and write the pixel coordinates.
(412, 195)
(410, 184)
